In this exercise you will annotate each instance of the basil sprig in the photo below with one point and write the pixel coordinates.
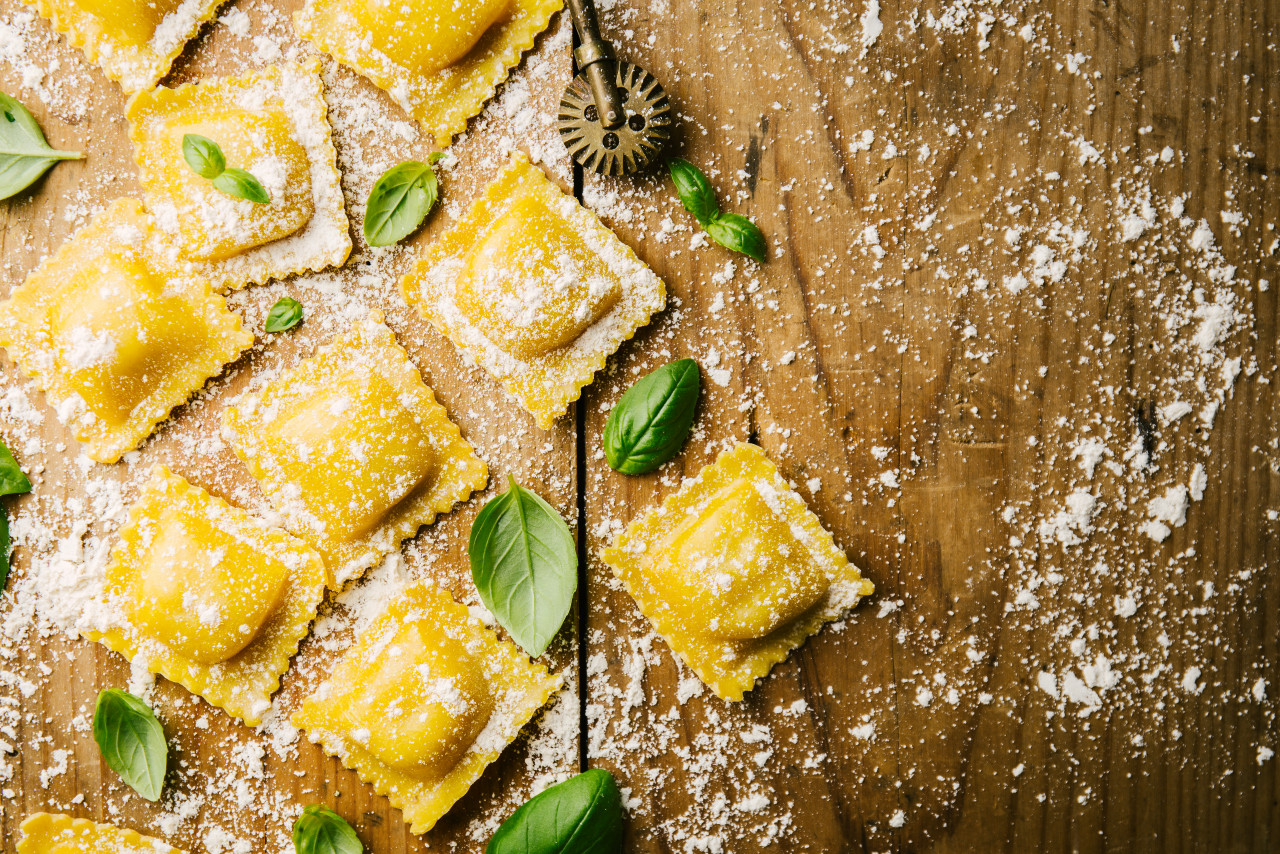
(284, 315)
(12, 482)
(25, 154)
(730, 230)
(582, 815)
(400, 201)
(651, 421)
(525, 564)
(320, 830)
(132, 741)
(206, 159)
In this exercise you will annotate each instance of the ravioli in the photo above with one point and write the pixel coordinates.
(440, 60)
(426, 698)
(133, 41)
(209, 597)
(115, 334)
(51, 833)
(273, 123)
(353, 449)
(535, 288)
(734, 571)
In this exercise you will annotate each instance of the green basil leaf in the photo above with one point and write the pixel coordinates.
(285, 314)
(242, 185)
(525, 565)
(320, 830)
(203, 156)
(12, 480)
(649, 425)
(400, 201)
(4, 548)
(694, 190)
(736, 232)
(25, 155)
(582, 815)
(132, 741)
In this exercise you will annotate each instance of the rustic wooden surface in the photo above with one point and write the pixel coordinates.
(884, 377)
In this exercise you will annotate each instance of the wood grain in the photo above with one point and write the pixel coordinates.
(929, 407)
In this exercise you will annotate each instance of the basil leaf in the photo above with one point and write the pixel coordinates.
(12, 480)
(525, 565)
(650, 422)
(203, 156)
(320, 830)
(285, 314)
(736, 232)
(132, 741)
(400, 201)
(4, 548)
(25, 155)
(242, 185)
(582, 815)
(694, 190)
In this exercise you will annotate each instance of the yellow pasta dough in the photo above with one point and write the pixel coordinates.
(274, 124)
(115, 334)
(51, 833)
(208, 596)
(535, 288)
(133, 41)
(353, 449)
(734, 571)
(423, 702)
(441, 60)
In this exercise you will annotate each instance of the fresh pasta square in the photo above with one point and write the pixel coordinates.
(115, 334)
(533, 287)
(734, 571)
(353, 449)
(52, 833)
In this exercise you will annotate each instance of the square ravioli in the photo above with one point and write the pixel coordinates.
(51, 833)
(208, 596)
(438, 59)
(535, 288)
(423, 702)
(272, 122)
(353, 449)
(734, 571)
(133, 41)
(115, 334)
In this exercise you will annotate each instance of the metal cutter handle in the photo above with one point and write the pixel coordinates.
(595, 60)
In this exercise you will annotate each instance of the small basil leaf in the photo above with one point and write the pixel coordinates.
(132, 741)
(12, 480)
(4, 548)
(203, 156)
(25, 155)
(736, 232)
(649, 424)
(400, 201)
(694, 190)
(525, 565)
(285, 314)
(242, 185)
(320, 830)
(582, 815)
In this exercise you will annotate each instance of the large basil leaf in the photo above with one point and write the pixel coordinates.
(525, 564)
(25, 155)
(582, 815)
(320, 830)
(400, 201)
(12, 480)
(132, 741)
(736, 232)
(651, 421)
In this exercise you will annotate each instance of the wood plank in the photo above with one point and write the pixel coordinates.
(231, 786)
(919, 357)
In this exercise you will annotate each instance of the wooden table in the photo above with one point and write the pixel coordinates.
(989, 293)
